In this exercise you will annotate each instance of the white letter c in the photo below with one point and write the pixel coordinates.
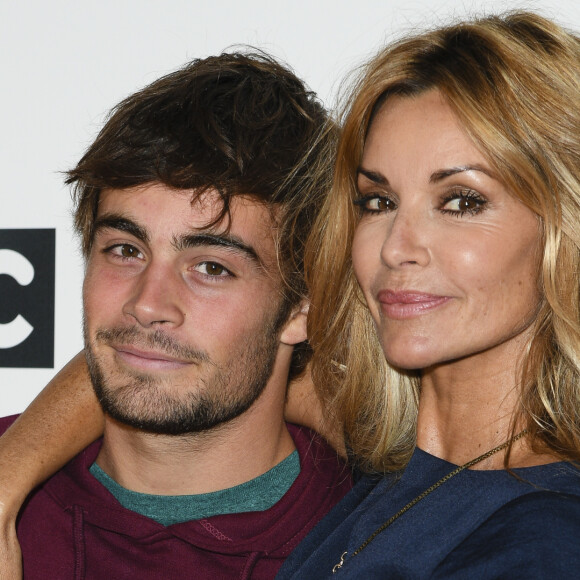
(18, 267)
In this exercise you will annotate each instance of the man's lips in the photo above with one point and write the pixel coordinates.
(147, 359)
(408, 303)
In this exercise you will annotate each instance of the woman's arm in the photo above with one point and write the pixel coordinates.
(303, 407)
(60, 422)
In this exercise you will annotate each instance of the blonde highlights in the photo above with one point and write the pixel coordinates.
(514, 83)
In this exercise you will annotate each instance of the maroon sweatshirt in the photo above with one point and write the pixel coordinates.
(73, 528)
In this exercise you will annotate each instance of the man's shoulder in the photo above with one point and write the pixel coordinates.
(73, 480)
(324, 477)
(5, 422)
(314, 451)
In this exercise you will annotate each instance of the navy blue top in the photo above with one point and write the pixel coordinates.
(479, 524)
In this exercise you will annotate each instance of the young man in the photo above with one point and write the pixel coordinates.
(193, 204)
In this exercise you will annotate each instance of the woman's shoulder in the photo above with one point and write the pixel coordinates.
(558, 477)
(532, 536)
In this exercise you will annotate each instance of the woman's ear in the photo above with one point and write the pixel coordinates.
(294, 330)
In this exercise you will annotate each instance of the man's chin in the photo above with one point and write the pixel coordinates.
(148, 406)
(171, 422)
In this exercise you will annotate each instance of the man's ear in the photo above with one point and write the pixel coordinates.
(294, 330)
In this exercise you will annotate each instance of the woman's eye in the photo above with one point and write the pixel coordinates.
(212, 269)
(375, 204)
(464, 204)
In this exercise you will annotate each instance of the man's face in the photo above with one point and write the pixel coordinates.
(182, 322)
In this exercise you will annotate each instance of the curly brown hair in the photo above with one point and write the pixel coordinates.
(238, 124)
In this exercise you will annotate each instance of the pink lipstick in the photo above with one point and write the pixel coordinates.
(408, 303)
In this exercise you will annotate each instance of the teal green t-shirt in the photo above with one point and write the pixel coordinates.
(258, 494)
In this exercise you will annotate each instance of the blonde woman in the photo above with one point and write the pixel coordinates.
(445, 310)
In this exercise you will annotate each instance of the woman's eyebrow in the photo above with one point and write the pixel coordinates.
(373, 176)
(436, 176)
(443, 173)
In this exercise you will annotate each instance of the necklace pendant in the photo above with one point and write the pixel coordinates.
(339, 565)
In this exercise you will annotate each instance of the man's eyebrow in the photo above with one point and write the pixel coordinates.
(373, 176)
(223, 241)
(443, 173)
(113, 221)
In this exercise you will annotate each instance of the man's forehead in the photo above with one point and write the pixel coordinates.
(162, 216)
(206, 210)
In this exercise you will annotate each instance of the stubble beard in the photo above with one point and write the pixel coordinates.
(149, 403)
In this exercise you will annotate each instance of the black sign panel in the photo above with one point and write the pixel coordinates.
(27, 261)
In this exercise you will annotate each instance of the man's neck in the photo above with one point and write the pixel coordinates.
(196, 463)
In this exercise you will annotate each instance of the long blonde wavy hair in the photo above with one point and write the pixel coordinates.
(514, 83)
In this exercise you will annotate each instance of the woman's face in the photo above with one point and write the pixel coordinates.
(446, 257)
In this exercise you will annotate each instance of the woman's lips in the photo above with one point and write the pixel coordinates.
(147, 360)
(408, 303)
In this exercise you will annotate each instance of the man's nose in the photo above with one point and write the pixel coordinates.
(155, 297)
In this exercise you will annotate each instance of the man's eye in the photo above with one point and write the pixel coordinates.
(375, 204)
(129, 251)
(212, 269)
(125, 251)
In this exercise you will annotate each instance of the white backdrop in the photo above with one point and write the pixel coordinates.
(65, 63)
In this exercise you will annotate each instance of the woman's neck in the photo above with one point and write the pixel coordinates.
(469, 406)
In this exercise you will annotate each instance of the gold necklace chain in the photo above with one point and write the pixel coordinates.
(424, 494)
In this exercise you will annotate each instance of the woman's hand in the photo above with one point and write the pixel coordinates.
(60, 422)
(10, 556)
